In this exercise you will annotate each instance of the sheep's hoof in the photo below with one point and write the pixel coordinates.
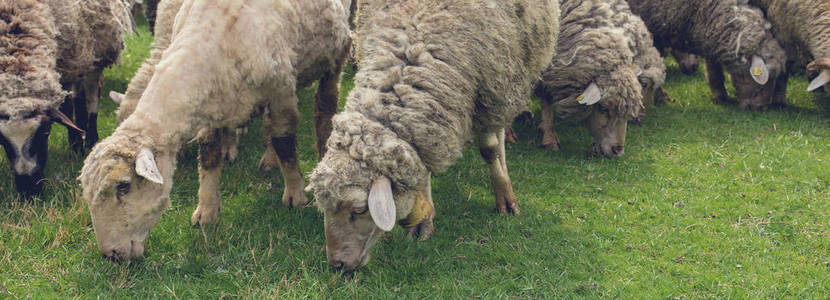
(268, 163)
(506, 203)
(294, 197)
(203, 216)
(231, 152)
(551, 143)
(510, 135)
(422, 231)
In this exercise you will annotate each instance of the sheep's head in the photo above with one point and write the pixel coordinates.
(358, 202)
(755, 82)
(25, 124)
(127, 190)
(606, 105)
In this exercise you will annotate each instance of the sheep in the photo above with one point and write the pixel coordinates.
(433, 74)
(801, 27)
(727, 33)
(269, 161)
(225, 60)
(46, 46)
(604, 68)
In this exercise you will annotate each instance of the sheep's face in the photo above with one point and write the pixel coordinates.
(608, 129)
(350, 230)
(755, 83)
(126, 197)
(356, 221)
(357, 209)
(24, 133)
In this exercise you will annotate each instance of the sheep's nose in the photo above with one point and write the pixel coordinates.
(337, 264)
(618, 150)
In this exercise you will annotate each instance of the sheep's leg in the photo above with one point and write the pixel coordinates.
(230, 144)
(92, 91)
(325, 106)
(491, 146)
(549, 138)
(715, 78)
(284, 142)
(68, 107)
(510, 135)
(780, 96)
(269, 160)
(210, 170)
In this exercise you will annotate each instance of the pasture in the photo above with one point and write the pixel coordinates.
(708, 201)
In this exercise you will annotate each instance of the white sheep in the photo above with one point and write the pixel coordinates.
(606, 67)
(225, 61)
(433, 75)
(46, 46)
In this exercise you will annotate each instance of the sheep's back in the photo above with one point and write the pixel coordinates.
(446, 69)
(90, 34)
(802, 26)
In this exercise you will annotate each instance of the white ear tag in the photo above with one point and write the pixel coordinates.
(382, 204)
(759, 70)
(591, 95)
(145, 166)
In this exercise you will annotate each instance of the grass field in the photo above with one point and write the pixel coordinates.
(708, 201)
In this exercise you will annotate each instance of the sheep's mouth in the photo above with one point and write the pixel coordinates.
(614, 152)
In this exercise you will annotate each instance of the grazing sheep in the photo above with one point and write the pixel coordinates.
(433, 74)
(803, 28)
(604, 67)
(269, 161)
(727, 33)
(46, 46)
(225, 61)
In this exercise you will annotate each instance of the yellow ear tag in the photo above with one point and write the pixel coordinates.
(580, 97)
(757, 71)
(420, 212)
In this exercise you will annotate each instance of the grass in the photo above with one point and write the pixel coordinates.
(708, 201)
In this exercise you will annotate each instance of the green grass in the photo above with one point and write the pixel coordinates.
(708, 201)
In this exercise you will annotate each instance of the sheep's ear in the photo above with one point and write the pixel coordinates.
(822, 79)
(591, 95)
(637, 70)
(59, 117)
(145, 166)
(116, 97)
(759, 70)
(381, 204)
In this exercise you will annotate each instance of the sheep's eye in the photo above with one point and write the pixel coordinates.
(122, 189)
(360, 210)
(4, 117)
